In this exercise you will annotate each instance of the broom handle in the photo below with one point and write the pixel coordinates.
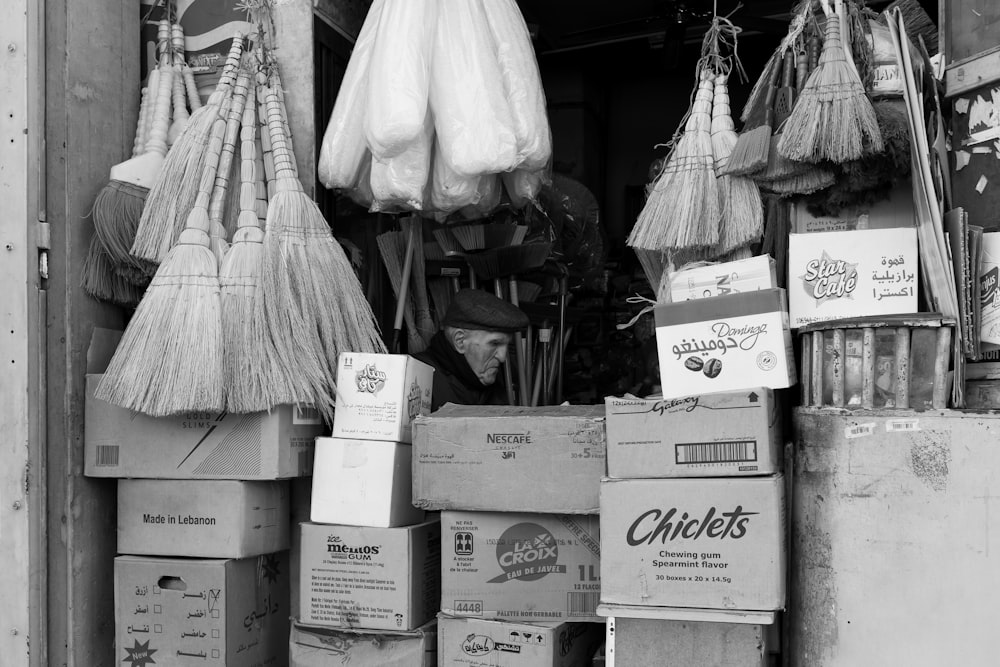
(248, 228)
(228, 77)
(160, 124)
(404, 284)
(284, 162)
(197, 226)
(261, 172)
(522, 366)
(193, 98)
(813, 53)
(801, 71)
(508, 374)
(265, 142)
(217, 208)
(139, 145)
(180, 89)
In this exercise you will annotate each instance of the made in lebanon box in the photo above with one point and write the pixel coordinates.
(707, 543)
(520, 567)
(379, 395)
(374, 578)
(730, 433)
(183, 611)
(203, 518)
(477, 642)
(725, 343)
(197, 445)
(510, 459)
(323, 647)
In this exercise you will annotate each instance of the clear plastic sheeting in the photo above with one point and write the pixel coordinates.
(400, 76)
(400, 183)
(342, 155)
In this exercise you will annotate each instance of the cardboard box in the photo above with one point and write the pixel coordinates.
(836, 275)
(476, 642)
(745, 275)
(258, 446)
(725, 343)
(378, 395)
(301, 502)
(713, 543)
(510, 459)
(171, 611)
(733, 433)
(209, 445)
(666, 643)
(363, 483)
(202, 518)
(322, 647)
(892, 213)
(520, 567)
(374, 578)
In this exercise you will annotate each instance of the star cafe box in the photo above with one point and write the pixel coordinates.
(846, 274)
(379, 395)
(725, 343)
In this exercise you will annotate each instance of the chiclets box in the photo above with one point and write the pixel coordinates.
(725, 343)
(324, 647)
(732, 433)
(707, 543)
(183, 611)
(520, 567)
(363, 483)
(476, 642)
(373, 578)
(378, 395)
(203, 518)
(505, 459)
(834, 275)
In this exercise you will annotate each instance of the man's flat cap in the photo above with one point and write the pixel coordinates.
(476, 309)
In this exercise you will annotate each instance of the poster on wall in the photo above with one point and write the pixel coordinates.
(209, 26)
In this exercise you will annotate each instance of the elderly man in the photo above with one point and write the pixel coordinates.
(467, 352)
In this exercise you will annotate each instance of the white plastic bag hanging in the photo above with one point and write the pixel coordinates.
(400, 76)
(522, 83)
(523, 185)
(342, 154)
(450, 190)
(400, 183)
(471, 114)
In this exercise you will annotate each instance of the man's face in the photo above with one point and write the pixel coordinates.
(485, 351)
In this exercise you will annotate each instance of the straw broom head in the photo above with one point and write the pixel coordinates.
(314, 304)
(170, 358)
(742, 210)
(172, 196)
(833, 118)
(253, 379)
(682, 210)
(100, 280)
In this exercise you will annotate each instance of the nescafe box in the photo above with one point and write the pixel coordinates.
(707, 543)
(520, 567)
(725, 343)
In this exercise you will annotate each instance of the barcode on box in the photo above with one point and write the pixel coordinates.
(107, 455)
(859, 430)
(897, 425)
(733, 451)
(302, 415)
(582, 604)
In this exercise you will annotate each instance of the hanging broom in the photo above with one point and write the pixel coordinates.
(172, 195)
(833, 118)
(682, 210)
(220, 193)
(742, 209)
(254, 381)
(778, 166)
(308, 282)
(180, 115)
(170, 358)
(119, 205)
(102, 282)
(749, 154)
(397, 249)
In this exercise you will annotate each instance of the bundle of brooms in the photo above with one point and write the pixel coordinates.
(268, 330)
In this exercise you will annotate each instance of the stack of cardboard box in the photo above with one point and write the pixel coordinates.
(203, 528)
(369, 570)
(518, 489)
(693, 529)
